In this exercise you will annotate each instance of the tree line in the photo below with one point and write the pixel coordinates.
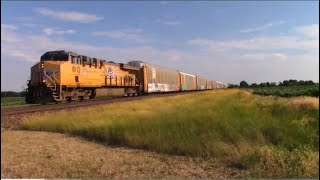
(291, 82)
(13, 94)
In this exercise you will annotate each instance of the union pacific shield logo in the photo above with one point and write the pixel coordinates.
(111, 72)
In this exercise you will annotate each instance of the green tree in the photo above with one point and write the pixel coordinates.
(267, 84)
(254, 85)
(244, 84)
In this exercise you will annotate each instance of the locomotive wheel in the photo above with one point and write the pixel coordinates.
(93, 94)
(69, 100)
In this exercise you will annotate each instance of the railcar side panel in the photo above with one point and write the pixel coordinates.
(209, 84)
(188, 82)
(201, 83)
(156, 78)
(215, 84)
(161, 79)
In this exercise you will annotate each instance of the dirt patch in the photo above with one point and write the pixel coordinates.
(13, 121)
(27, 154)
(10, 121)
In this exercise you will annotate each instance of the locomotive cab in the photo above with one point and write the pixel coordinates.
(44, 82)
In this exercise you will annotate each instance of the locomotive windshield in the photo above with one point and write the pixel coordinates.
(55, 56)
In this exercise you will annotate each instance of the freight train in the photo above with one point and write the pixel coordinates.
(67, 76)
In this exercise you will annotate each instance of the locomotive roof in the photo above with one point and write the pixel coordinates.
(64, 53)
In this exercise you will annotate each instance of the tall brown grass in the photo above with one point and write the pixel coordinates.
(236, 127)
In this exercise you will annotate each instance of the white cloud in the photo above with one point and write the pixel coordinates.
(263, 57)
(172, 23)
(280, 56)
(259, 59)
(30, 25)
(164, 3)
(24, 19)
(127, 34)
(263, 27)
(8, 26)
(27, 21)
(8, 35)
(69, 15)
(169, 22)
(53, 31)
(309, 31)
(260, 43)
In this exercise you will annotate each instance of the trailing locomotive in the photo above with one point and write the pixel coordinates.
(67, 76)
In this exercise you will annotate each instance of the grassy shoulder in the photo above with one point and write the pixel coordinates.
(12, 101)
(270, 136)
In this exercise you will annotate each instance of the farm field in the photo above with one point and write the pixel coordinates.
(288, 91)
(246, 135)
(12, 101)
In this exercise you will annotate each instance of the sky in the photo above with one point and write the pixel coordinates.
(228, 41)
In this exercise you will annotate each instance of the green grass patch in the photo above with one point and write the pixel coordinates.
(12, 101)
(230, 125)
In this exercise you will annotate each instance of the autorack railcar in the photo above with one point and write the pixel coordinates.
(156, 78)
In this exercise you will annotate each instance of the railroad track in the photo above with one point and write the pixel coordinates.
(40, 108)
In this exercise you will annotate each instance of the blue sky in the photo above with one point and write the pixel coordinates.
(226, 41)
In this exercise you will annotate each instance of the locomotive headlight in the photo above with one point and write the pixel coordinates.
(44, 81)
(42, 65)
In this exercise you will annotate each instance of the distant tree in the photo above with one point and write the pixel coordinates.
(233, 86)
(13, 94)
(262, 85)
(273, 84)
(244, 84)
(23, 93)
(285, 83)
(309, 82)
(300, 83)
(292, 82)
(254, 85)
(267, 84)
(280, 84)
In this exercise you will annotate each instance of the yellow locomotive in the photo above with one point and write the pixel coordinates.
(67, 76)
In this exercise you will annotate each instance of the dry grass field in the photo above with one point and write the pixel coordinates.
(212, 134)
(26, 154)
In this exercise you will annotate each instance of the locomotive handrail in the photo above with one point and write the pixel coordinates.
(55, 85)
(54, 76)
